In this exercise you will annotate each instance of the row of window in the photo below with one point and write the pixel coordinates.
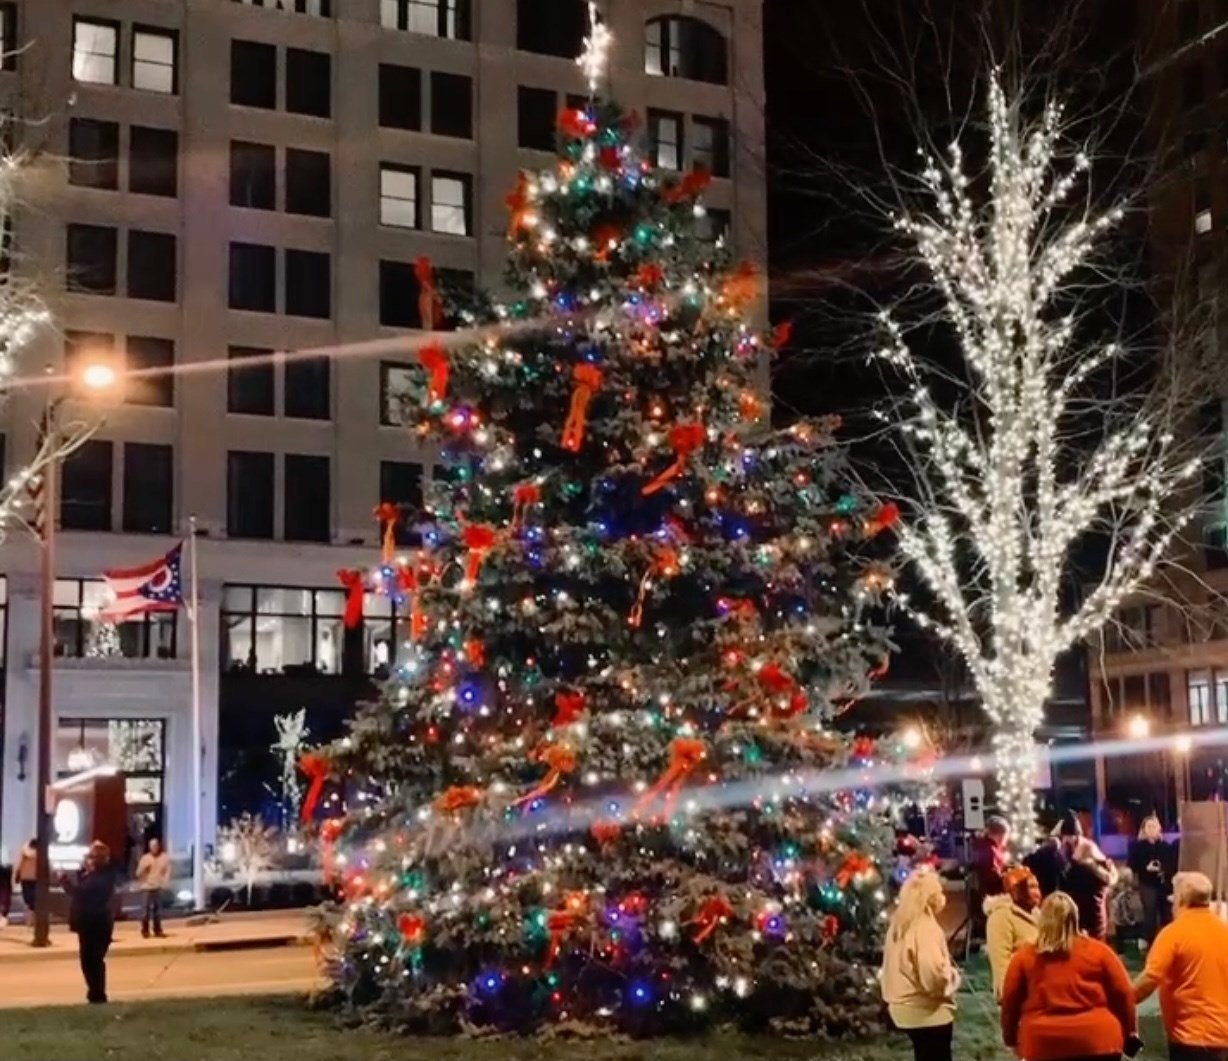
(147, 476)
(152, 56)
(91, 261)
(94, 154)
(1206, 696)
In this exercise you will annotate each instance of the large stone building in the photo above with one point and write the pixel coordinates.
(218, 177)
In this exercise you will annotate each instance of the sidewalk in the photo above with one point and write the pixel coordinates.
(237, 931)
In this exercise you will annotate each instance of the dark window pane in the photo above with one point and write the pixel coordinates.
(715, 224)
(400, 97)
(306, 393)
(90, 263)
(149, 354)
(665, 139)
(249, 389)
(151, 266)
(308, 284)
(85, 489)
(551, 27)
(400, 484)
(253, 277)
(307, 516)
(153, 161)
(253, 175)
(456, 288)
(308, 83)
(8, 39)
(451, 105)
(249, 495)
(685, 47)
(711, 146)
(148, 488)
(398, 295)
(535, 118)
(93, 153)
(253, 74)
(308, 184)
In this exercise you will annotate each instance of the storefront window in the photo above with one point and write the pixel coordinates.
(282, 630)
(79, 633)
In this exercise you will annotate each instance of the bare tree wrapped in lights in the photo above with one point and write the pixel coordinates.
(1021, 454)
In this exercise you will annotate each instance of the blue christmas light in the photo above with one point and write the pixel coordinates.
(641, 993)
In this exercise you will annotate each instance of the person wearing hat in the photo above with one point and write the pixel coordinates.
(1089, 875)
(1010, 921)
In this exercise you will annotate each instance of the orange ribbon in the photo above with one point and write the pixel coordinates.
(741, 287)
(588, 380)
(407, 579)
(517, 201)
(666, 565)
(315, 767)
(715, 912)
(560, 922)
(525, 495)
(475, 652)
(434, 359)
(561, 760)
(685, 754)
(479, 540)
(430, 308)
(854, 864)
(354, 585)
(458, 798)
(569, 706)
(386, 515)
(685, 440)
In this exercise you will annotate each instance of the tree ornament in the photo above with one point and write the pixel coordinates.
(560, 760)
(430, 306)
(523, 498)
(434, 358)
(316, 767)
(685, 440)
(386, 515)
(588, 381)
(412, 928)
(884, 518)
(685, 755)
(665, 564)
(479, 540)
(458, 798)
(517, 201)
(569, 706)
(741, 288)
(781, 335)
(607, 158)
(574, 124)
(692, 186)
(353, 581)
(715, 912)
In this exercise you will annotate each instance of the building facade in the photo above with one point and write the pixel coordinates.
(217, 178)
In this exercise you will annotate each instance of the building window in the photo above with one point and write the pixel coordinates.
(85, 489)
(249, 494)
(253, 175)
(8, 61)
(400, 97)
(93, 153)
(79, 633)
(319, 8)
(253, 74)
(153, 161)
(94, 51)
(398, 196)
(715, 226)
(551, 27)
(450, 203)
(306, 513)
(398, 295)
(268, 630)
(710, 145)
(249, 387)
(665, 139)
(308, 83)
(90, 261)
(677, 46)
(306, 388)
(153, 60)
(436, 18)
(148, 487)
(149, 379)
(451, 105)
(253, 283)
(151, 266)
(536, 116)
(400, 484)
(308, 284)
(1201, 698)
(308, 183)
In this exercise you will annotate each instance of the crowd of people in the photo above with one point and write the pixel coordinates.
(1063, 993)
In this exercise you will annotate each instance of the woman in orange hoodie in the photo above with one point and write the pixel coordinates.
(1067, 997)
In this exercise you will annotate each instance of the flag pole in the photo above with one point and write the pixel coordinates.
(198, 750)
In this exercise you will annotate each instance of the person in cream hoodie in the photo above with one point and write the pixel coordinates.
(918, 979)
(1010, 921)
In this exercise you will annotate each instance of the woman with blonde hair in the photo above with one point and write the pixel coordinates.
(918, 979)
(1066, 997)
(1153, 862)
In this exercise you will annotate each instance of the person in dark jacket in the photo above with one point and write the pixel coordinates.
(1089, 876)
(989, 857)
(1153, 862)
(91, 915)
(1048, 865)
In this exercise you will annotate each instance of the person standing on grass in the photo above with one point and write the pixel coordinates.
(153, 876)
(1010, 922)
(1188, 963)
(1048, 863)
(25, 877)
(990, 857)
(918, 979)
(1089, 875)
(1153, 860)
(91, 915)
(1067, 997)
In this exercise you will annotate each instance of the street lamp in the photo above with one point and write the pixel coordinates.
(96, 377)
(1138, 727)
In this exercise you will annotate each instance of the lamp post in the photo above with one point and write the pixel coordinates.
(96, 377)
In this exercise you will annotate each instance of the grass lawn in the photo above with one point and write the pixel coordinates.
(276, 1028)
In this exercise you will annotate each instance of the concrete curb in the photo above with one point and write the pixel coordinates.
(25, 953)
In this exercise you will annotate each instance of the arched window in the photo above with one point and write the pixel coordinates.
(677, 46)
(551, 27)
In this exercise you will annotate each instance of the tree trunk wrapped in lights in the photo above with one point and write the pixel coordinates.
(1027, 449)
(602, 789)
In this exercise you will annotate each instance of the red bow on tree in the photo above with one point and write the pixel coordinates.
(475, 652)
(831, 927)
(434, 358)
(665, 564)
(863, 748)
(525, 495)
(649, 275)
(354, 584)
(588, 381)
(607, 158)
(605, 833)
(854, 865)
(316, 768)
(781, 335)
(410, 584)
(569, 706)
(574, 123)
(430, 306)
(685, 755)
(715, 912)
(693, 185)
(886, 516)
(458, 798)
(386, 515)
(517, 204)
(412, 928)
(742, 287)
(685, 440)
(560, 759)
(479, 540)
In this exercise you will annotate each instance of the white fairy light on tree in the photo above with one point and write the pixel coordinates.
(1005, 488)
(595, 59)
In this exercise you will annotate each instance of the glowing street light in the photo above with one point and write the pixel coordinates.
(1138, 727)
(912, 738)
(1184, 744)
(99, 376)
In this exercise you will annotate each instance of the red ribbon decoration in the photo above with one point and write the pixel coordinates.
(715, 912)
(353, 583)
(685, 440)
(561, 760)
(605, 833)
(458, 798)
(569, 706)
(740, 608)
(885, 517)
(329, 831)
(475, 652)
(831, 928)
(560, 922)
(741, 287)
(574, 123)
(781, 335)
(665, 564)
(430, 308)
(649, 275)
(407, 579)
(863, 748)
(525, 495)
(588, 381)
(412, 928)
(693, 185)
(434, 359)
(479, 540)
(386, 515)
(607, 158)
(685, 755)
(854, 864)
(517, 204)
(316, 767)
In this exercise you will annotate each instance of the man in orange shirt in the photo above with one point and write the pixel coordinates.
(1188, 963)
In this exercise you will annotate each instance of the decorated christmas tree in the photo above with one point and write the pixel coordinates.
(600, 787)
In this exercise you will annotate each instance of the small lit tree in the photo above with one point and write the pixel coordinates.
(249, 846)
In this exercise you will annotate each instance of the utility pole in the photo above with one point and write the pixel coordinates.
(46, 656)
